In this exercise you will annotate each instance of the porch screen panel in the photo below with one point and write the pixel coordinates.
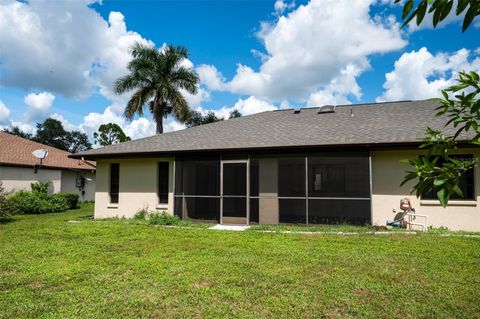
(292, 211)
(291, 177)
(200, 176)
(335, 211)
(197, 187)
(202, 208)
(292, 190)
(333, 175)
(339, 188)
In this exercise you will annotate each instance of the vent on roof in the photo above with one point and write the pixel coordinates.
(296, 111)
(326, 109)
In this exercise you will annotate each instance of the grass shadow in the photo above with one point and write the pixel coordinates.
(6, 220)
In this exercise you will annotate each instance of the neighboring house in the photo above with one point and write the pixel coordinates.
(18, 168)
(313, 165)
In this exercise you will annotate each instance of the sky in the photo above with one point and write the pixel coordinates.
(60, 58)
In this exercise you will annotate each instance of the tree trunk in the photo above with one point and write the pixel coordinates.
(160, 125)
(158, 113)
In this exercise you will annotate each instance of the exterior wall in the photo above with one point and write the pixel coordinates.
(268, 191)
(137, 188)
(69, 184)
(17, 178)
(387, 174)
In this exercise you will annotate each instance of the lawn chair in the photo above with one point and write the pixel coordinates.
(406, 218)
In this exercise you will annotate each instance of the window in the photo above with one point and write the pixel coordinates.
(162, 191)
(466, 184)
(114, 182)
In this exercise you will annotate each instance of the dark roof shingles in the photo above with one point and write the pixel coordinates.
(389, 123)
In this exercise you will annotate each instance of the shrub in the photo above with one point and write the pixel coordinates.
(71, 198)
(41, 187)
(58, 202)
(36, 203)
(4, 210)
(141, 214)
(163, 219)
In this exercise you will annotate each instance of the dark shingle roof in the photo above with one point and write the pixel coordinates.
(379, 123)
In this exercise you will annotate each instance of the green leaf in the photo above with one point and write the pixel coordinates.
(443, 197)
(421, 10)
(439, 182)
(462, 4)
(457, 190)
(471, 13)
(446, 10)
(407, 8)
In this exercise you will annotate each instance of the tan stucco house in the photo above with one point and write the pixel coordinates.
(313, 165)
(19, 168)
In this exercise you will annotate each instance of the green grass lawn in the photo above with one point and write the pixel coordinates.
(50, 267)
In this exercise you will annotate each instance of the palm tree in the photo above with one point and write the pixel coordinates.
(158, 77)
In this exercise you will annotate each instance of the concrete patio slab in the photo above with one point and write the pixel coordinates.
(230, 227)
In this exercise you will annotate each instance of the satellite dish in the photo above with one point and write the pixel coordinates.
(40, 154)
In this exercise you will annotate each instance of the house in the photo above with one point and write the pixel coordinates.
(19, 168)
(312, 165)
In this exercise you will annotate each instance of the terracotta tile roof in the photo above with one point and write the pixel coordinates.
(17, 151)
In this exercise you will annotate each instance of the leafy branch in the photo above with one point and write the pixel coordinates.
(440, 10)
(437, 170)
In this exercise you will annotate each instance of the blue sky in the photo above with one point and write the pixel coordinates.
(60, 58)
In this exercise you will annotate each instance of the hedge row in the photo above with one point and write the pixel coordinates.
(40, 203)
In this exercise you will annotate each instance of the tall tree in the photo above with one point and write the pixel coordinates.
(234, 113)
(438, 171)
(158, 78)
(196, 118)
(77, 142)
(109, 134)
(52, 133)
(15, 130)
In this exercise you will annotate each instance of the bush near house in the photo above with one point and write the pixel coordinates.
(71, 198)
(4, 211)
(158, 218)
(38, 201)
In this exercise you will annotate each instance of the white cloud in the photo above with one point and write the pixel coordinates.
(280, 6)
(338, 90)
(66, 47)
(4, 113)
(25, 127)
(38, 106)
(246, 106)
(114, 55)
(211, 77)
(310, 47)
(66, 124)
(421, 75)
